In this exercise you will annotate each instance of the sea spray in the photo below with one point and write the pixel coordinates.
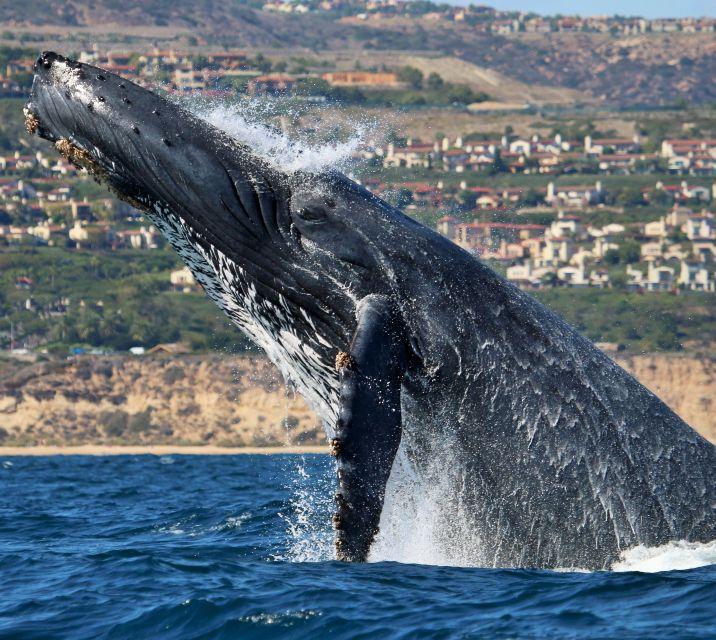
(248, 121)
(673, 556)
(309, 536)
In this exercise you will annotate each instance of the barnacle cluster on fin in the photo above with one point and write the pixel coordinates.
(344, 360)
(32, 123)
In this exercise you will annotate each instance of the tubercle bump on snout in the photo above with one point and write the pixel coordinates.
(78, 156)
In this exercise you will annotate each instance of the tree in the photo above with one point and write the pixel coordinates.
(461, 93)
(498, 164)
(262, 63)
(403, 198)
(631, 197)
(532, 198)
(629, 252)
(313, 87)
(411, 76)
(435, 82)
(467, 199)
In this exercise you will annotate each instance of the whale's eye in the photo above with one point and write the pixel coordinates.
(312, 214)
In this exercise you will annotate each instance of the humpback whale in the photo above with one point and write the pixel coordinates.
(399, 340)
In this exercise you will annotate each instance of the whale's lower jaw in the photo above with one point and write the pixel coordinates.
(270, 327)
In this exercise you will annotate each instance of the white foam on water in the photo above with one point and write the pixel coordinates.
(673, 556)
(246, 122)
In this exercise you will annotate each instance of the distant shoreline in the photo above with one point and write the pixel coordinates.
(154, 450)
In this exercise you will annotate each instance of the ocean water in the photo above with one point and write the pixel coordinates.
(240, 547)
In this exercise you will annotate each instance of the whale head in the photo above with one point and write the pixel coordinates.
(287, 255)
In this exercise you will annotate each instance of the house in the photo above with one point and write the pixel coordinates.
(601, 146)
(361, 79)
(522, 275)
(613, 229)
(704, 250)
(424, 194)
(170, 349)
(23, 282)
(50, 234)
(656, 229)
(486, 238)
(678, 216)
(675, 251)
(521, 146)
(60, 194)
(142, 238)
(695, 192)
(90, 235)
(14, 235)
(659, 278)
(696, 277)
(271, 85)
(183, 280)
(574, 195)
(81, 210)
(188, 79)
(671, 148)
(602, 245)
(635, 279)
(599, 278)
(623, 162)
(446, 226)
(652, 249)
(574, 276)
(455, 160)
(701, 227)
(556, 251)
(566, 225)
(412, 155)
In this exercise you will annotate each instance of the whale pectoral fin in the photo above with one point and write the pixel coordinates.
(369, 423)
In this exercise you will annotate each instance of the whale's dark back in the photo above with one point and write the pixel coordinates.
(561, 457)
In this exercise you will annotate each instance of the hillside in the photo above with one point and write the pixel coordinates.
(230, 401)
(648, 70)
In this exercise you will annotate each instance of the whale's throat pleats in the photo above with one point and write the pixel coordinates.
(292, 343)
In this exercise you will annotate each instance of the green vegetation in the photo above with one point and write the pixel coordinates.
(433, 91)
(116, 300)
(640, 322)
(124, 299)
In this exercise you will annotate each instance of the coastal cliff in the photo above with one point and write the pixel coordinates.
(231, 400)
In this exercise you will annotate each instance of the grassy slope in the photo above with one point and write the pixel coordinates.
(140, 308)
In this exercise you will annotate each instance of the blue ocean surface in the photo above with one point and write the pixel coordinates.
(228, 547)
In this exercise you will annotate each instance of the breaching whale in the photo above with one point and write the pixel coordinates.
(398, 339)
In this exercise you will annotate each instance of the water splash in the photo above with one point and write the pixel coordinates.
(308, 532)
(673, 556)
(423, 520)
(247, 122)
